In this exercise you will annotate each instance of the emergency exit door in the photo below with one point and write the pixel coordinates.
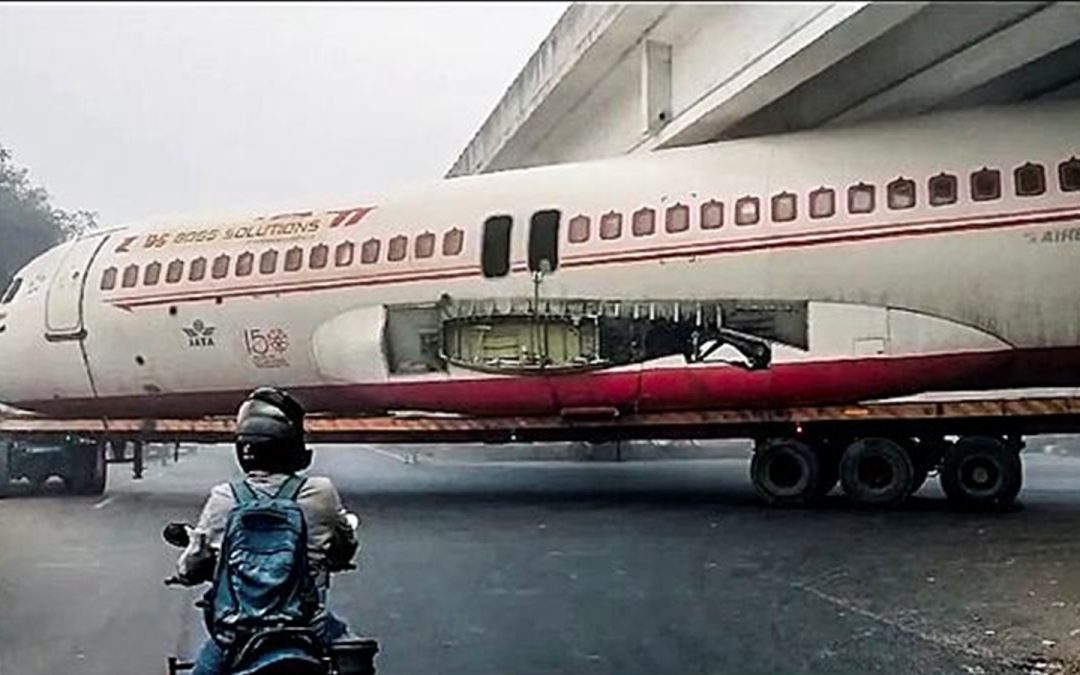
(64, 301)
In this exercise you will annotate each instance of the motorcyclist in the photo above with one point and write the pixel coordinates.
(270, 448)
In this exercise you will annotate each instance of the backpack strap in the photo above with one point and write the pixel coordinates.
(242, 492)
(290, 488)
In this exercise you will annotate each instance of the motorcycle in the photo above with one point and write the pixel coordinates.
(284, 650)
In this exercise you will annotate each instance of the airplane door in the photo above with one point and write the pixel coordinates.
(63, 304)
(544, 242)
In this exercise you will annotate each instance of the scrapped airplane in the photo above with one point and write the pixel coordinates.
(934, 253)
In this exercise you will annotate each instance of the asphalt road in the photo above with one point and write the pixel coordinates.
(620, 568)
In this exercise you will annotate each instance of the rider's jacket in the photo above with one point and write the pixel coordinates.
(331, 540)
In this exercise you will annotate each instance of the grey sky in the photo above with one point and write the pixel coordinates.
(147, 110)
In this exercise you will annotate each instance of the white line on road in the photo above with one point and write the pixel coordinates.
(103, 503)
(385, 453)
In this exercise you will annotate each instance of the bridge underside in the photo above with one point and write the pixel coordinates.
(611, 80)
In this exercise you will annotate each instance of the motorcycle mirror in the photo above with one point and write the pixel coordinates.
(176, 534)
(353, 520)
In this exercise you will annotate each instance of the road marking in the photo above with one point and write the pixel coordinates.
(385, 453)
(104, 502)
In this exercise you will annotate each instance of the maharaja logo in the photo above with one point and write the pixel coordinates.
(199, 334)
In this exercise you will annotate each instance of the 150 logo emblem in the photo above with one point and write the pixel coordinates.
(267, 347)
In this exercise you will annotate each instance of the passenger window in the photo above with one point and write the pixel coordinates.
(424, 246)
(369, 252)
(294, 259)
(398, 248)
(495, 256)
(784, 207)
(152, 274)
(544, 240)
(220, 268)
(611, 225)
(712, 215)
(319, 255)
(861, 198)
(579, 229)
(823, 203)
(900, 194)
(268, 262)
(131, 276)
(245, 264)
(16, 284)
(985, 184)
(175, 272)
(197, 271)
(942, 189)
(344, 254)
(677, 218)
(1069, 175)
(108, 282)
(643, 222)
(452, 242)
(747, 211)
(1030, 180)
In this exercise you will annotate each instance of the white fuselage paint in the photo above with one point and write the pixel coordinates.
(958, 278)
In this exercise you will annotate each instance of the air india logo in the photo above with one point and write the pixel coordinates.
(199, 334)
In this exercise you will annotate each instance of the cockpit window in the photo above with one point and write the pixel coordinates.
(12, 290)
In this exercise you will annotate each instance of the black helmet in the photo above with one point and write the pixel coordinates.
(270, 433)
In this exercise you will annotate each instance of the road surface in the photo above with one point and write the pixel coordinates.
(610, 568)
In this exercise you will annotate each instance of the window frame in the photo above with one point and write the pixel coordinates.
(390, 257)
(1070, 167)
(245, 264)
(366, 246)
(995, 174)
(273, 255)
(319, 257)
(344, 259)
(151, 274)
(495, 262)
(669, 214)
(197, 269)
(892, 189)
(544, 224)
(130, 272)
(703, 220)
(454, 235)
(947, 178)
(812, 200)
(792, 199)
(572, 230)
(863, 188)
(294, 259)
(175, 264)
(109, 277)
(615, 217)
(747, 200)
(420, 253)
(1040, 173)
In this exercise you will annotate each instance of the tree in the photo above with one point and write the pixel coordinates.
(29, 224)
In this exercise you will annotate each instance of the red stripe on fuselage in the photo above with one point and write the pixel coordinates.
(650, 390)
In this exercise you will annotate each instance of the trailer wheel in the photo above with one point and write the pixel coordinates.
(786, 472)
(88, 470)
(876, 472)
(981, 472)
(5, 468)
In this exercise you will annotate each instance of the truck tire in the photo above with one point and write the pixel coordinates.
(5, 468)
(876, 472)
(981, 472)
(88, 470)
(786, 472)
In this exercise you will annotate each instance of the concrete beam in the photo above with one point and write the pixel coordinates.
(827, 37)
(1036, 36)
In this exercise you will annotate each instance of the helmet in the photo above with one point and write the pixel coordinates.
(270, 432)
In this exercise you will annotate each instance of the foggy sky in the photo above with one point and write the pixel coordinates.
(140, 111)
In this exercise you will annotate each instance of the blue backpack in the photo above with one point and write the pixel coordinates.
(263, 577)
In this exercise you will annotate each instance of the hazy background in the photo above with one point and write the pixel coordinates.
(148, 110)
